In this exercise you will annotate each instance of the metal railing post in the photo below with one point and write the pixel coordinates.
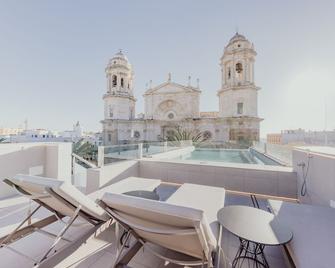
(140, 151)
(165, 148)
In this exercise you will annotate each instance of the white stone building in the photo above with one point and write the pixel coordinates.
(45, 135)
(301, 136)
(170, 105)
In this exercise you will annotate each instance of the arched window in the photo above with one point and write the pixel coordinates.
(111, 114)
(114, 80)
(239, 67)
(240, 108)
(121, 82)
(207, 135)
(229, 73)
(137, 134)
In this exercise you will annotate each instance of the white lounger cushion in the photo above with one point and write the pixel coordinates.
(313, 230)
(36, 186)
(126, 185)
(206, 198)
(156, 215)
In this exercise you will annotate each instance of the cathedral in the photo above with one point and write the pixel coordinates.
(165, 104)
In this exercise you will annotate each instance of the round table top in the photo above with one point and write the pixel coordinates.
(254, 225)
(144, 194)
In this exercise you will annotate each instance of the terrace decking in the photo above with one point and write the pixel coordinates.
(100, 249)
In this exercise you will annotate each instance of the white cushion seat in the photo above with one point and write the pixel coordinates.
(36, 186)
(150, 219)
(313, 232)
(206, 198)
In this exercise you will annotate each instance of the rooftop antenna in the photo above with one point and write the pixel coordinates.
(189, 81)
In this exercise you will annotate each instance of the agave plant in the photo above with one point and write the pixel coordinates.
(85, 149)
(180, 134)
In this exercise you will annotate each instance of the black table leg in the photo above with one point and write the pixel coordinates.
(250, 251)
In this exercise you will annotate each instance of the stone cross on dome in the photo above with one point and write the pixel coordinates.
(189, 81)
(169, 77)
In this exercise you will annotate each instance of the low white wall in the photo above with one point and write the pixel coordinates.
(42, 159)
(106, 175)
(79, 176)
(59, 161)
(260, 179)
(320, 179)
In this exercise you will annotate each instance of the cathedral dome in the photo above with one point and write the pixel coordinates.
(120, 56)
(118, 59)
(238, 43)
(237, 37)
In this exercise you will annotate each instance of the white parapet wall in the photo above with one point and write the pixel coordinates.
(260, 179)
(315, 165)
(41, 159)
(109, 174)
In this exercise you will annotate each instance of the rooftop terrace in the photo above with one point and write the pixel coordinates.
(241, 183)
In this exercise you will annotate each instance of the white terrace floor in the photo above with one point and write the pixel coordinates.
(100, 250)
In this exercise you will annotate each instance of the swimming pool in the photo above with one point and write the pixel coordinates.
(228, 155)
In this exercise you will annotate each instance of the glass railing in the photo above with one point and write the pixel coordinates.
(113, 153)
(282, 153)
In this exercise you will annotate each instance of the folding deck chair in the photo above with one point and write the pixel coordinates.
(183, 229)
(63, 200)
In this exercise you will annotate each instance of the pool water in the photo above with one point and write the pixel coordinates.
(225, 155)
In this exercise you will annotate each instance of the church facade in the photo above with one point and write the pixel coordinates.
(170, 105)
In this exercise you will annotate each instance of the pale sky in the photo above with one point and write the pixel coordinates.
(53, 55)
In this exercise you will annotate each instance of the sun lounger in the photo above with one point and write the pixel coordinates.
(64, 201)
(313, 233)
(186, 223)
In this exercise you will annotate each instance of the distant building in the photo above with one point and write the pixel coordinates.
(35, 135)
(273, 138)
(300, 136)
(72, 135)
(10, 131)
(94, 138)
(45, 135)
(170, 105)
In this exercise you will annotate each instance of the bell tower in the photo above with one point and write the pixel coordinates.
(238, 92)
(119, 98)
